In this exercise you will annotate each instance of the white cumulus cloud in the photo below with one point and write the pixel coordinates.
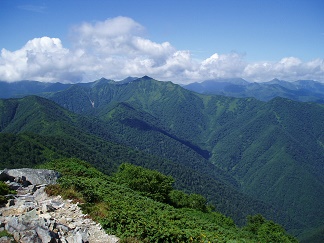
(42, 59)
(222, 66)
(117, 48)
(288, 68)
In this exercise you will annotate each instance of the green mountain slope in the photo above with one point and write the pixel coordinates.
(35, 114)
(45, 131)
(278, 156)
(273, 149)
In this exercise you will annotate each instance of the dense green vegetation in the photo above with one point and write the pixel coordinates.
(314, 235)
(4, 190)
(68, 135)
(149, 183)
(27, 150)
(158, 187)
(266, 230)
(135, 218)
(222, 148)
(257, 143)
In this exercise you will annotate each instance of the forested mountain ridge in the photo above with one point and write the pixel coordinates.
(35, 130)
(266, 146)
(301, 90)
(271, 150)
(26, 87)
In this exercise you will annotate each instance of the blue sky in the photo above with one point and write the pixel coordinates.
(182, 41)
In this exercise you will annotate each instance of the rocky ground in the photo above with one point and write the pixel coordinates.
(33, 216)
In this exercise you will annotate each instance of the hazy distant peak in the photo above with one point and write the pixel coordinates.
(275, 81)
(238, 81)
(127, 80)
(146, 78)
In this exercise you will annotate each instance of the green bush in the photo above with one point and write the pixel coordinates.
(267, 230)
(179, 199)
(5, 190)
(149, 183)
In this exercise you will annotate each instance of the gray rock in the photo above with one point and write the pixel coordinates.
(29, 236)
(62, 228)
(84, 233)
(13, 225)
(11, 202)
(14, 185)
(44, 235)
(78, 237)
(44, 223)
(29, 216)
(16, 236)
(40, 195)
(35, 217)
(6, 239)
(75, 238)
(5, 177)
(30, 176)
(47, 208)
(56, 204)
(28, 206)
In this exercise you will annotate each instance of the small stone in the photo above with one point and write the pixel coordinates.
(62, 228)
(31, 215)
(69, 220)
(16, 236)
(47, 208)
(6, 239)
(63, 240)
(45, 216)
(57, 204)
(71, 226)
(44, 234)
(30, 236)
(11, 202)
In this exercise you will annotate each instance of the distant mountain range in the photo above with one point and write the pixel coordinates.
(25, 87)
(301, 90)
(245, 155)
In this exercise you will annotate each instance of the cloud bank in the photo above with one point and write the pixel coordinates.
(117, 48)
